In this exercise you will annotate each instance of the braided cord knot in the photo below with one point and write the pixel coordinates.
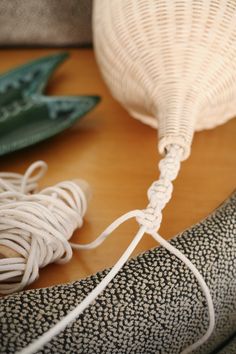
(160, 192)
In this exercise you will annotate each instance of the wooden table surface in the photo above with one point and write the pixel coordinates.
(117, 155)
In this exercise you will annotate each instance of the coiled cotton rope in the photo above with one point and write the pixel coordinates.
(149, 220)
(35, 227)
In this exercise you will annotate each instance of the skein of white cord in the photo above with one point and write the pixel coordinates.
(149, 219)
(36, 227)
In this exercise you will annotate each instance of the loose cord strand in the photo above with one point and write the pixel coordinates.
(201, 282)
(60, 326)
(149, 219)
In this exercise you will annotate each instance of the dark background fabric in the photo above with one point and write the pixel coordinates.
(45, 23)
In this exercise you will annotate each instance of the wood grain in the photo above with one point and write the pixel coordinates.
(117, 155)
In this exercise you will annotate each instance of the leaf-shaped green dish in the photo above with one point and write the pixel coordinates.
(26, 115)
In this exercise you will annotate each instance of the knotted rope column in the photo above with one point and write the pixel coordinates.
(149, 221)
(160, 192)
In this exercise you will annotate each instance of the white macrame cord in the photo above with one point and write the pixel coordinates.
(149, 220)
(35, 226)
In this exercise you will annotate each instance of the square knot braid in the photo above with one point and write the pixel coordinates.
(160, 192)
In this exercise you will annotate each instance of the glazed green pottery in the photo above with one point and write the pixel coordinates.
(26, 115)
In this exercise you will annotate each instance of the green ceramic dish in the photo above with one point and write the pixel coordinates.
(26, 115)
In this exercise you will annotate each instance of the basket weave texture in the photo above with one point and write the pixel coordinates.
(172, 64)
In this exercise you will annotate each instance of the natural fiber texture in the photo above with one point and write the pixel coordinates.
(170, 63)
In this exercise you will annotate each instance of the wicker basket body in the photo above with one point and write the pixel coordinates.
(170, 63)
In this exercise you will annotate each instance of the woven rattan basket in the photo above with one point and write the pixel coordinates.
(171, 63)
